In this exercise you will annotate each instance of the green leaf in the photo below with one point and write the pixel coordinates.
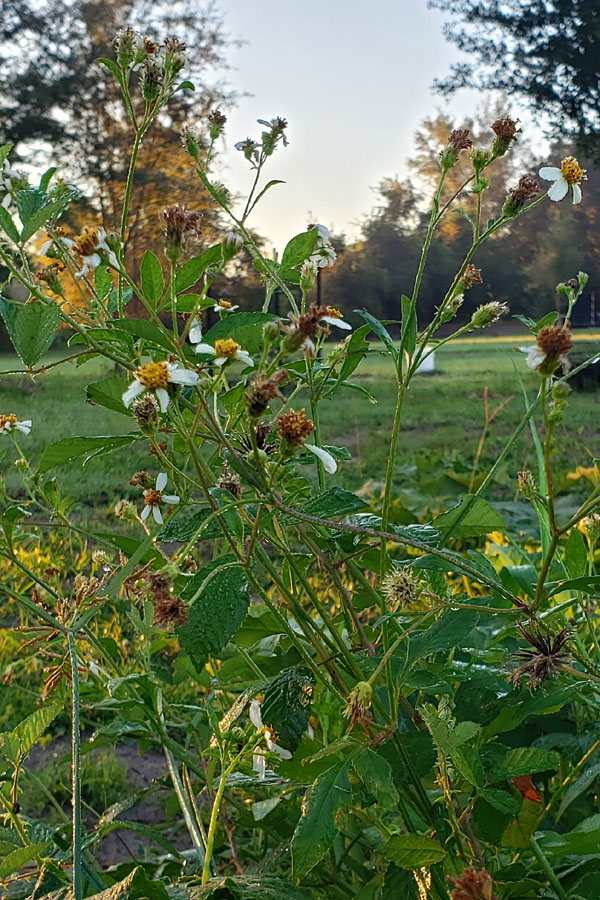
(31, 327)
(380, 330)
(470, 518)
(16, 745)
(576, 584)
(412, 851)
(409, 326)
(185, 526)
(113, 299)
(59, 452)
(21, 856)
(103, 282)
(518, 706)
(579, 787)
(356, 349)
(8, 226)
(217, 610)
(137, 886)
(153, 283)
(524, 761)
(246, 328)
(47, 178)
(108, 393)
(576, 554)
(298, 249)
(375, 773)
(332, 502)
(50, 211)
(5, 152)
(583, 840)
(502, 801)
(286, 706)
(246, 887)
(30, 202)
(451, 629)
(111, 66)
(146, 330)
(518, 833)
(191, 271)
(316, 830)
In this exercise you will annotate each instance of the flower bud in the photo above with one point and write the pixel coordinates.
(560, 393)
(480, 157)
(400, 587)
(308, 275)
(527, 484)
(191, 142)
(232, 243)
(145, 411)
(488, 314)
(151, 81)
(174, 57)
(126, 44)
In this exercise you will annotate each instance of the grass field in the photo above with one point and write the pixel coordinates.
(438, 442)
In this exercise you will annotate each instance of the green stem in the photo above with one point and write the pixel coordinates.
(547, 869)
(214, 818)
(75, 772)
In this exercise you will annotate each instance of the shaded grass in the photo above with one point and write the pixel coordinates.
(442, 425)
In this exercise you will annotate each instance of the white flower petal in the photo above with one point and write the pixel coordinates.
(157, 515)
(221, 360)
(45, 247)
(244, 357)
(329, 463)
(195, 335)
(259, 765)
(254, 713)
(550, 173)
(339, 323)
(323, 233)
(535, 357)
(92, 261)
(6, 201)
(134, 389)
(145, 513)
(82, 272)
(281, 752)
(206, 348)
(576, 194)
(558, 190)
(24, 426)
(161, 481)
(182, 376)
(163, 399)
(170, 498)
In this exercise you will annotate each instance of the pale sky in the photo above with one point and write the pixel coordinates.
(353, 80)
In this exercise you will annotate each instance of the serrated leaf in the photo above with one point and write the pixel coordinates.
(217, 610)
(103, 282)
(59, 452)
(50, 211)
(450, 630)
(408, 341)
(412, 851)
(19, 857)
(299, 248)
(31, 327)
(146, 330)
(375, 773)
(576, 554)
(191, 271)
(137, 886)
(153, 282)
(579, 787)
(16, 745)
(518, 833)
(316, 830)
(108, 393)
(246, 328)
(8, 226)
(286, 706)
(30, 202)
(331, 503)
(524, 761)
(470, 518)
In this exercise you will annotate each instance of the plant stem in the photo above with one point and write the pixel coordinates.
(214, 818)
(75, 771)
(547, 869)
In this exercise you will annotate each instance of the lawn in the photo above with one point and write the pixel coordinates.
(437, 444)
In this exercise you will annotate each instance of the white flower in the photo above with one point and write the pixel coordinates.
(334, 317)
(154, 497)
(323, 255)
(195, 334)
(569, 174)
(156, 376)
(224, 350)
(256, 719)
(9, 423)
(7, 174)
(47, 245)
(222, 306)
(88, 245)
(329, 463)
(259, 764)
(535, 356)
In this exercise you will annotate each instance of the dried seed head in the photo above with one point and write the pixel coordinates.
(400, 587)
(229, 481)
(526, 190)
(145, 411)
(124, 509)
(141, 479)
(151, 80)
(545, 660)
(170, 611)
(358, 704)
(216, 121)
(554, 342)
(294, 428)
(178, 223)
(260, 393)
(506, 132)
(472, 275)
(458, 140)
(527, 484)
(472, 885)
(49, 276)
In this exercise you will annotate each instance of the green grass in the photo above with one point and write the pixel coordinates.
(444, 417)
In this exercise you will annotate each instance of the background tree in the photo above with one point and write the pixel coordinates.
(546, 52)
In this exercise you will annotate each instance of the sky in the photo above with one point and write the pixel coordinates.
(353, 79)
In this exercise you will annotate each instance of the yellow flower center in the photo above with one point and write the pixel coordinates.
(152, 497)
(226, 347)
(87, 242)
(154, 375)
(7, 422)
(224, 304)
(571, 171)
(333, 313)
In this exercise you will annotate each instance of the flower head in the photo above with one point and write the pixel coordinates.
(472, 885)
(157, 376)
(400, 587)
(570, 175)
(458, 140)
(170, 610)
(178, 223)
(225, 350)
(294, 428)
(262, 390)
(545, 659)
(153, 497)
(526, 190)
(506, 132)
(358, 705)
(304, 329)
(471, 275)
(550, 350)
(258, 760)
(488, 314)
(9, 422)
(93, 246)
(224, 306)
(216, 121)
(324, 254)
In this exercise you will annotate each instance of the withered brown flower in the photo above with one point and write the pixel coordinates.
(545, 659)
